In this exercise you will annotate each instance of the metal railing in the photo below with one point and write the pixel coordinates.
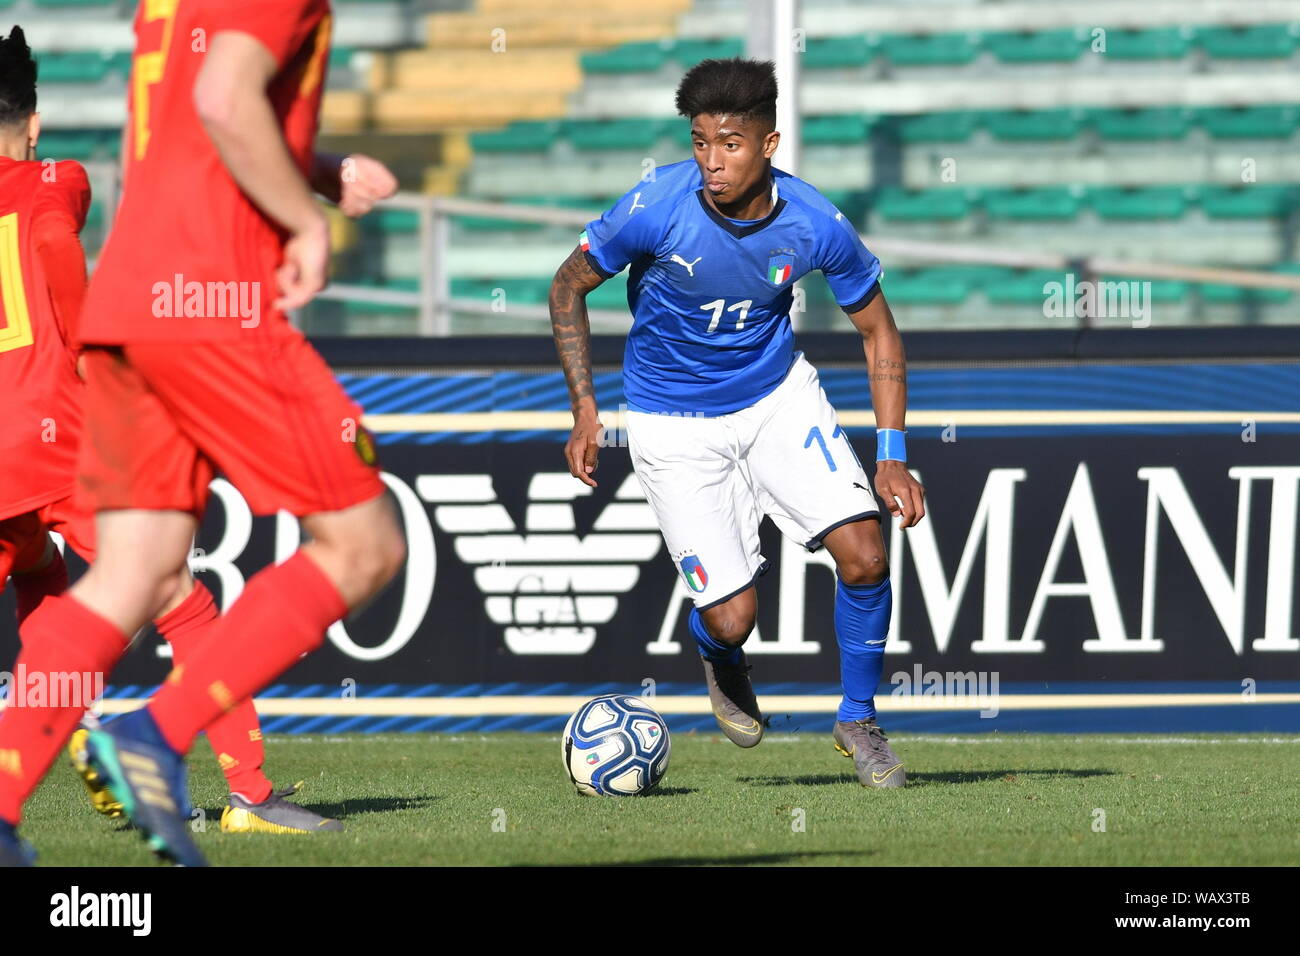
(435, 305)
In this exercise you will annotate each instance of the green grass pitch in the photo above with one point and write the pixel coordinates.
(503, 799)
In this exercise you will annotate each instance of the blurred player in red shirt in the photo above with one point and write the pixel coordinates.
(43, 207)
(192, 368)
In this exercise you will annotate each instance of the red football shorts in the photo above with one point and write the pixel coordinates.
(22, 537)
(162, 419)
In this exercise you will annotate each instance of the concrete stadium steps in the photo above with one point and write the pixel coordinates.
(522, 25)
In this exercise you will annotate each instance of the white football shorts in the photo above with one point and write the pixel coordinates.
(710, 481)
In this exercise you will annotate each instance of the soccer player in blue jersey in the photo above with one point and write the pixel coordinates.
(726, 422)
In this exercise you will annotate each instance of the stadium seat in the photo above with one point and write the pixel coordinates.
(1022, 287)
(639, 134)
(1029, 126)
(1272, 41)
(939, 127)
(935, 49)
(77, 67)
(689, 51)
(1249, 122)
(1052, 46)
(521, 137)
(908, 286)
(1251, 201)
(836, 52)
(841, 130)
(925, 206)
(1157, 123)
(1152, 202)
(628, 58)
(1161, 43)
(1047, 203)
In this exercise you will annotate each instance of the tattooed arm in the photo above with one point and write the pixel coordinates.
(887, 373)
(568, 303)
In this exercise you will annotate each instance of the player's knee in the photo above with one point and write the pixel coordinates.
(378, 558)
(865, 569)
(731, 627)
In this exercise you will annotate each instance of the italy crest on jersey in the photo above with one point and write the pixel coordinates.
(696, 578)
(780, 268)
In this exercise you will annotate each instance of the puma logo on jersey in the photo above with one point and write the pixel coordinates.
(636, 204)
(690, 266)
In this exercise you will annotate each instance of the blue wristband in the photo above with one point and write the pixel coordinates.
(891, 444)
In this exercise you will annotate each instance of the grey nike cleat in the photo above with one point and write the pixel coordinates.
(734, 705)
(275, 814)
(14, 850)
(877, 765)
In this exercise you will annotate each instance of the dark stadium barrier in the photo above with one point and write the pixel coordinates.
(1119, 524)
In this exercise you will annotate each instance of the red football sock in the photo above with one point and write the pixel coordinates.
(282, 615)
(236, 737)
(62, 638)
(33, 587)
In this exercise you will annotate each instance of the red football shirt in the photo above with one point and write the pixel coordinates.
(190, 258)
(41, 395)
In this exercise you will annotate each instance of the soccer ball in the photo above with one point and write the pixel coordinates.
(615, 745)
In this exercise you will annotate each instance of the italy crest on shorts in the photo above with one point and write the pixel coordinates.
(697, 579)
(780, 268)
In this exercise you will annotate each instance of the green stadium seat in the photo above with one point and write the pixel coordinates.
(925, 287)
(842, 130)
(1032, 126)
(852, 203)
(939, 127)
(931, 49)
(393, 221)
(1249, 122)
(120, 63)
(1249, 201)
(823, 53)
(976, 274)
(1152, 202)
(1161, 290)
(61, 145)
(1022, 287)
(521, 137)
(1219, 294)
(931, 205)
(1161, 43)
(1047, 203)
(1271, 41)
(1157, 123)
(610, 295)
(636, 133)
(1051, 46)
(75, 3)
(689, 52)
(628, 58)
(78, 67)
(341, 57)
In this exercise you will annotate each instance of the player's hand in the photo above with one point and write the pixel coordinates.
(306, 265)
(582, 448)
(363, 181)
(895, 484)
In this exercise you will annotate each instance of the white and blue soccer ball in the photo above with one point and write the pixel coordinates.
(615, 745)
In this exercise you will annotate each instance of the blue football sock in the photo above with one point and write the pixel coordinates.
(710, 647)
(861, 627)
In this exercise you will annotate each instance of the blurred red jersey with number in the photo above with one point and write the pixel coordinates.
(190, 258)
(40, 394)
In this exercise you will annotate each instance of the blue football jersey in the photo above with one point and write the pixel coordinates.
(711, 296)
